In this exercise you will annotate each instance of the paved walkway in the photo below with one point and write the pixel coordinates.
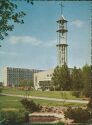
(49, 99)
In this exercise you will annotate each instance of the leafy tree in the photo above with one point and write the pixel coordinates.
(61, 78)
(9, 15)
(77, 79)
(87, 80)
(79, 115)
(56, 78)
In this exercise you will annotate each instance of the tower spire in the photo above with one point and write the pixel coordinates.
(62, 39)
(61, 5)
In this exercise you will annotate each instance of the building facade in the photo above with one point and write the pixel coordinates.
(13, 76)
(42, 79)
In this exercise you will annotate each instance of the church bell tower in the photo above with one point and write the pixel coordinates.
(62, 39)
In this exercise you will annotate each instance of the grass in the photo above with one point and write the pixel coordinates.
(10, 102)
(14, 102)
(50, 94)
(54, 103)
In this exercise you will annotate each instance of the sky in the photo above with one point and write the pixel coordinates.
(33, 44)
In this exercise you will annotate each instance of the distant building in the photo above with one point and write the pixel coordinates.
(42, 79)
(13, 76)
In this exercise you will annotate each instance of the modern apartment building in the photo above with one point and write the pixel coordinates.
(13, 76)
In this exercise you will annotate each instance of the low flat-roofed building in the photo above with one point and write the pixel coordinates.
(43, 78)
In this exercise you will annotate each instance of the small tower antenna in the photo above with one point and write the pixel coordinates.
(61, 5)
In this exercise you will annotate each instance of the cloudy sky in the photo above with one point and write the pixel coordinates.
(33, 44)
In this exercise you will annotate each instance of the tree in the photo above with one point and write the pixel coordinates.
(79, 115)
(55, 78)
(87, 80)
(77, 79)
(9, 15)
(61, 78)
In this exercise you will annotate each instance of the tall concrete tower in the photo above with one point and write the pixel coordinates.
(62, 39)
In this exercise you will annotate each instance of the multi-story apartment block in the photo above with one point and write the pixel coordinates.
(13, 76)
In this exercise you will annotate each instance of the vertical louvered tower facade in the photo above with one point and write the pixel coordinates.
(62, 40)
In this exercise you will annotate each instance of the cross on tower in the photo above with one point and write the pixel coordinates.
(61, 8)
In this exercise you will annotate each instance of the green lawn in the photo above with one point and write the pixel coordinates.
(14, 102)
(50, 94)
(10, 102)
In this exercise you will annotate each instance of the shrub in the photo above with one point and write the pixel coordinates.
(26, 116)
(76, 93)
(79, 115)
(89, 105)
(30, 105)
(12, 117)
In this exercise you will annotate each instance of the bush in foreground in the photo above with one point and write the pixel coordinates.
(89, 105)
(79, 115)
(12, 117)
(30, 105)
